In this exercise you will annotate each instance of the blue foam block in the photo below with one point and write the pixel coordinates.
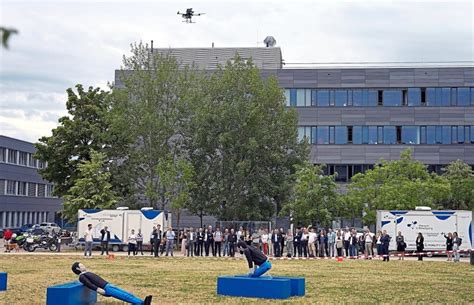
(297, 285)
(254, 287)
(73, 293)
(3, 281)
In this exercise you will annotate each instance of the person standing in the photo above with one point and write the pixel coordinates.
(304, 242)
(156, 240)
(264, 239)
(401, 245)
(321, 238)
(104, 240)
(346, 235)
(331, 242)
(240, 234)
(378, 242)
(140, 241)
(191, 241)
(289, 243)
(449, 246)
(226, 242)
(457, 241)
(339, 243)
(276, 241)
(152, 247)
(210, 240)
(297, 242)
(282, 244)
(170, 237)
(184, 242)
(200, 242)
(88, 239)
(232, 239)
(207, 241)
(7, 238)
(132, 243)
(217, 242)
(312, 239)
(385, 240)
(368, 239)
(420, 246)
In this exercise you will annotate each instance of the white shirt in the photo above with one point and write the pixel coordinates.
(239, 234)
(132, 239)
(368, 237)
(312, 237)
(347, 235)
(304, 236)
(264, 238)
(88, 236)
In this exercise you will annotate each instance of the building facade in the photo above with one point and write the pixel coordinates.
(353, 117)
(25, 198)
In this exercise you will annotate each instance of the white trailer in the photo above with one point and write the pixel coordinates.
(432, 224)
(120, 223)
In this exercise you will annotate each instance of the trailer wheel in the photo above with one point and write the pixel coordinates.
(125, 248)
(115, 248)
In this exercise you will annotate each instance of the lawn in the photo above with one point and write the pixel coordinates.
(192, 281)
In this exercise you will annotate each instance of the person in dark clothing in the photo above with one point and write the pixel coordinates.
(104, 240)
(282, 242)
(258, 262)
(200, 242)
(276, 241)
(232, 239)
(96, 283)
(152, 245)
(420, 246)
(297, 242)
(208, 241)
(449, 246)
(156, 237)
(385, 244)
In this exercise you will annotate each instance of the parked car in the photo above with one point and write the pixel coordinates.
(49, 227)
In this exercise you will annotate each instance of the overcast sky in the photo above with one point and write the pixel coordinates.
(62, 43)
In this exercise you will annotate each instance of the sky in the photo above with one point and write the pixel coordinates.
(64, 43)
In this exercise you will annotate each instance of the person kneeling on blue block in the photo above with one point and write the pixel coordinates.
(96, 283)
(258, 262)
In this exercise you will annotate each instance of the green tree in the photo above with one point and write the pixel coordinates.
(84, 129)
(92, 189)
(314, 197)
(243, 144)
(150, 111)
(400, 184)
(461, 179)
(6, 33)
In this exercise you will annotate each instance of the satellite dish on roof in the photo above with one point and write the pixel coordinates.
(269, 41)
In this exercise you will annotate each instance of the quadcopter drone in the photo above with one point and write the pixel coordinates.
(189, 15)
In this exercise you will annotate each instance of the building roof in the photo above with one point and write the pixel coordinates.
(210, 58)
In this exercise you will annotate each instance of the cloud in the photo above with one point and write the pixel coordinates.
(62, 43)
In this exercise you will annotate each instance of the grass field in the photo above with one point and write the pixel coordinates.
(192, 281)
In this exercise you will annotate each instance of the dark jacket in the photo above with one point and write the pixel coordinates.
(278, 236)
(232, 238)
(420, 244)
(92, 280)
(200, 236)
(254, 256)
(156, 235)
(210, 237)
(385, 240)
(297, 237)
(102, 233)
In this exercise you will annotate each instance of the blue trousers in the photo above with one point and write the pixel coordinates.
(122, 295)
(262, 269)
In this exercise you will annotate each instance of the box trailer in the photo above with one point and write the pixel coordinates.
(120, 223)
(432, 224)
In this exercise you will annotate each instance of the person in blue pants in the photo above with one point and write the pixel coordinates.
(258, 262)
(96, 283)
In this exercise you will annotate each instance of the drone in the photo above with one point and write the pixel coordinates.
(189, 14)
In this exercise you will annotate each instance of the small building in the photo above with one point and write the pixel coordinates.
(25, 198)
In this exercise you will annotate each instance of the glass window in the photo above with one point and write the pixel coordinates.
(287, 98)
(446, 135)
(300, 133)
(3, 154)
(31, 161)
(472, 134)
(32, 189)
(357, 169)
(431, 135)
(410, 135)
(22, 188)
(357, 134)
(331, 134)
(430, 97)
(12, 156)
(307, 133)
(308, 97)
(445, 97)
(472, 96)
(292, 97)
(463, 97)
(341, 171)
(460, 134)
(300, 98)
(392, 97)
(340, 98)
(439, 136)
(314, 137)
(41, 190)
(372, 135)
(414, 96)
(323, 134)
(11, 187)
(323, 98)
(331, 98)
(372, 98)
(453, 96)
(23, 158)
(467, 134)
(423, 135)
(365, 134)
(341, 135)
(454, 134)
(380, 134)
(357, 98)
(389, 135)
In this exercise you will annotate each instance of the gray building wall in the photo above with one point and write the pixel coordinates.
(16, 210)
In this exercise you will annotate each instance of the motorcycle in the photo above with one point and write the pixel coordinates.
(40, 241)
(20, 240)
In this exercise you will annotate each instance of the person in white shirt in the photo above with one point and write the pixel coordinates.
(311, 242)
(304, 242)
(368, 238)
(239, 233)
(347, 236)
(139, 241)
(132, 243)
(88, 238)
(264, 239)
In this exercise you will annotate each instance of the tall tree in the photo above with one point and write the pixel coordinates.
(461, 179)
(400, 184)
(83, 130)
(92, 188)
(243, 144)
(314, 197)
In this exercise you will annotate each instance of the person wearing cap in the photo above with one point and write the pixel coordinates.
(258, 262)
(96, 283)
